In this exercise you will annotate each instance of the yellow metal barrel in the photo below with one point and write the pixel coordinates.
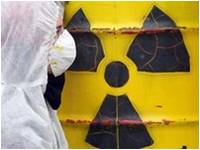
(162, 91)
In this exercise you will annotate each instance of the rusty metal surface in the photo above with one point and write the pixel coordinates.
(133, 30)
(127, 122)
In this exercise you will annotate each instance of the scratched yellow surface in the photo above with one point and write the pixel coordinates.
(177, 93)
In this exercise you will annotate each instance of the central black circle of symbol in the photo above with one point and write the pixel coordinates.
(116, 74)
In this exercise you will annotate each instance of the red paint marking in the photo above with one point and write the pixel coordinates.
(133, 30)
(108, 122)
(167, 122)
(130, 122)
(153, 122)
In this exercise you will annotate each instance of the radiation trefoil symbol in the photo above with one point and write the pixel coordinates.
(158, 47)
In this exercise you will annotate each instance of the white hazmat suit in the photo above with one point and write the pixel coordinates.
(28, 30)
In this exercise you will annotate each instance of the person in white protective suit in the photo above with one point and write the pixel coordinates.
(28, 31)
